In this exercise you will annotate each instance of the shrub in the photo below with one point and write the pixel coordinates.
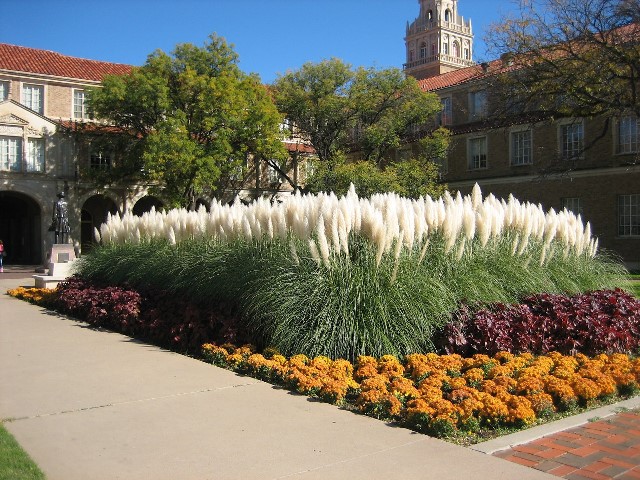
(157, 317)
(589, 323)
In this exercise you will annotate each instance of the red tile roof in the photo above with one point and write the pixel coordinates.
(458, 77)
(45, 62)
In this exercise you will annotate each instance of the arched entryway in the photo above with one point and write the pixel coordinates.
(145, 204)
(20, 228)
(94, 213)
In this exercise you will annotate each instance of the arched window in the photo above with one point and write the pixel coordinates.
(423, 50)
(445, 48)
(447, 15)
(430, 15)
(455, 49)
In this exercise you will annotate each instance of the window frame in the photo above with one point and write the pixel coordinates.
(482, 164)
(33, 164)
(4, 95)
(515, 150)
(7, 159)
(628, 219)
(570, 204)
(31, 87)
(634, 137)
(575, 153)
(84, 112)
(446, 114)
(478, 109)
(100, 160)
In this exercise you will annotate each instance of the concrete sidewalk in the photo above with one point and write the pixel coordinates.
(96, 405)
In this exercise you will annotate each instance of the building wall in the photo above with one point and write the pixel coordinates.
(598, 177)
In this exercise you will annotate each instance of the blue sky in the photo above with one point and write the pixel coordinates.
(270, 36)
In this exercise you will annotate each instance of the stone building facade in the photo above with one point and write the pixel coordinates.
(42, 94)
(536, 159)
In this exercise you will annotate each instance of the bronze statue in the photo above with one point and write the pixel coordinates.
(60, 221)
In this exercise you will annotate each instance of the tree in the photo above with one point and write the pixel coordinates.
(412, 177)
(364, 114)
(569, 58)
(193, 118)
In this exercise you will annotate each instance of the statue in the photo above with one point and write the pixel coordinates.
(60, 222)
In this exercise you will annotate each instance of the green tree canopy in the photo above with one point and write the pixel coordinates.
(364, 114)
(194, 118)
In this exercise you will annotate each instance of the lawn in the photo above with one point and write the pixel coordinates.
(15, 464)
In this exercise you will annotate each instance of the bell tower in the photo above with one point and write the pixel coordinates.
(438, 41)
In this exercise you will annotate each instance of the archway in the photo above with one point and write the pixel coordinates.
(145, 204)
(20, 228)
(94, 213)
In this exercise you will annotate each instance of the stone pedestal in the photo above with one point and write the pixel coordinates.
(60, 266)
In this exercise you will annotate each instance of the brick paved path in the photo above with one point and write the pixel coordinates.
(599, 450)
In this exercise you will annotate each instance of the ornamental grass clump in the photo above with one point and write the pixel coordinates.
(349, 276)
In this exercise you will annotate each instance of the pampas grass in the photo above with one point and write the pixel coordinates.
(323, 275)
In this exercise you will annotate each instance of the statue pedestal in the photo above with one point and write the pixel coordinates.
(60, 266)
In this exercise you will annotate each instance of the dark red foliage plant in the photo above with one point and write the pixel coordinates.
(603, 321)
(157, 317)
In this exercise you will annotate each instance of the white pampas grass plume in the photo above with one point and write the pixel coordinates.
(172, 236)
(294, 252)
(322, 241)
(423, 252)
(314, 252)
(460, 251)
(476, 196)
(96, 235)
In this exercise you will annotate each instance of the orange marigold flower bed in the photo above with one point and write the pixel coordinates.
(438, 394)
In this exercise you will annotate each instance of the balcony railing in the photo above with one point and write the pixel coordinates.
(450, 59)
(421, 26)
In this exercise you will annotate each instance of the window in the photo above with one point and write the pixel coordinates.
(478, 104)
(628, 135)
(33, 97)
(455, 49)
(447, 15)
(629, 215)
(10, 154)
(445, 48)
(35, 155)
(447, 113)
(423, 50)
(466, 53)
(286, 128)
(521, 147)
(99, 161)
(4, 90)
(79, 105)
(571, 140)
(477, 153)
(272, 174)
(572, 204)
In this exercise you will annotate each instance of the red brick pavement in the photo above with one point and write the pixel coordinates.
(599, 450)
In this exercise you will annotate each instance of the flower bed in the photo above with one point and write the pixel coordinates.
(590, 323)
(444, 394)
(440, 395)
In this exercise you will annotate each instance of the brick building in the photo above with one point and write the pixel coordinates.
(536, 159)
(42, 96)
